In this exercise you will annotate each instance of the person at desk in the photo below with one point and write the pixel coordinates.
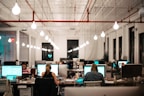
(25, 70)
(48, 74)
(94, 75)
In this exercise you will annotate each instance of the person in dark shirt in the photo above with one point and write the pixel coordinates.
(94, 75)
(49, 74)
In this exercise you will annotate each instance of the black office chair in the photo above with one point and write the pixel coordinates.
(45, 87)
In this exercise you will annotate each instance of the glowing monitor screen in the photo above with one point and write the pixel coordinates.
(42, 68)
(8, 70)
(101, 69)
(122, 62)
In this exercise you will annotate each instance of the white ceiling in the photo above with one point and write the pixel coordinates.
(59, 13)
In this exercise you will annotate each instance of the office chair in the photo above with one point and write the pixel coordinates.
(45, 87)
(5, 88)
(92, 83)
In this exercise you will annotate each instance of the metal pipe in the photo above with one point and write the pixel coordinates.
(70, 21)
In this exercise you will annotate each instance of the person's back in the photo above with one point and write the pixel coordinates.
(94, 75)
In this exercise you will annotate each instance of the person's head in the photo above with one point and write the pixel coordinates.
(24, 66)
(94, 67)
(48, 67)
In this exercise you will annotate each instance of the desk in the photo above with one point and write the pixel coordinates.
(17, 86)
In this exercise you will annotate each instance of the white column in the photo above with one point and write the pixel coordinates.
(29, 51)
(18, 45)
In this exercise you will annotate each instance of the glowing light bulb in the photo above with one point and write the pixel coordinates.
(16, 9)
(33, 26)
(116, 26)
(23, 44)
(102, 34)
(95, 37)
(42, 33)
(9, 40)
(46, 37)
(87, 42)
(0, 37)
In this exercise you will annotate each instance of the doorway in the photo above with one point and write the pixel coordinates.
(141, 48)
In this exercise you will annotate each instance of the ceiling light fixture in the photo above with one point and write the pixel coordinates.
(16, 9)
(9, 40)
(23, 44)
(116, 26)
(33, 26)
(42, 33)
(46, 37)
(95, 37)
(103, 34)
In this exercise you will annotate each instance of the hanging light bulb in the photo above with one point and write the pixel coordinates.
(42, 33)
(87, 42)
(103, 34)
(16, 9)
(33, 26)
(46, 37)
(23, 44)
(95, 37)
(9, 40)
(116, 26)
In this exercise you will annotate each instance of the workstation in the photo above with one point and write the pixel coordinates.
(72, 36)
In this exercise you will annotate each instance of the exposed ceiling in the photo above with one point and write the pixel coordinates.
(62, 16)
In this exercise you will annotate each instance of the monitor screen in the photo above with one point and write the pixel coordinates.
(101, 69)
(11, 70)
(131, 70)
(122, 62)
(42, 67)
(10, 63)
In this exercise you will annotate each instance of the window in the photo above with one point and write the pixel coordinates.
(48, 53)
(114, 48)
(120, 47)
(71, 44)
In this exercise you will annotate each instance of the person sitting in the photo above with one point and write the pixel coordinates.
(49, 74)
(25, 70)
(94, 75)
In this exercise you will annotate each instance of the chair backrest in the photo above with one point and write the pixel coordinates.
(92, 83)
(45, 87)
(5, 87)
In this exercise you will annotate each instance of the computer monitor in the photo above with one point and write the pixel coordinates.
(122, 62)
(101, 69)
(15, 70)
(10, 63)
(42, 67)
(131, 70)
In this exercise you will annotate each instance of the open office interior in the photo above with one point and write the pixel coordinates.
(80, 32)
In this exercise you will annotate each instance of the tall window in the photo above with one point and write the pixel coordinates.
(141, 48)
(114, 48)
(120, 47)
(71, 44)
(131, 44)
(48, 53)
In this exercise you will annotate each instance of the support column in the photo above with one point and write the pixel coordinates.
(18, 45)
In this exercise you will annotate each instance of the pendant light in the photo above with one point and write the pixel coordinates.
(16, 9)
(103, 34)
(115, 26)
(95, 37)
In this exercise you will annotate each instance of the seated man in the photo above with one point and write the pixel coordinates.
(94, 75)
